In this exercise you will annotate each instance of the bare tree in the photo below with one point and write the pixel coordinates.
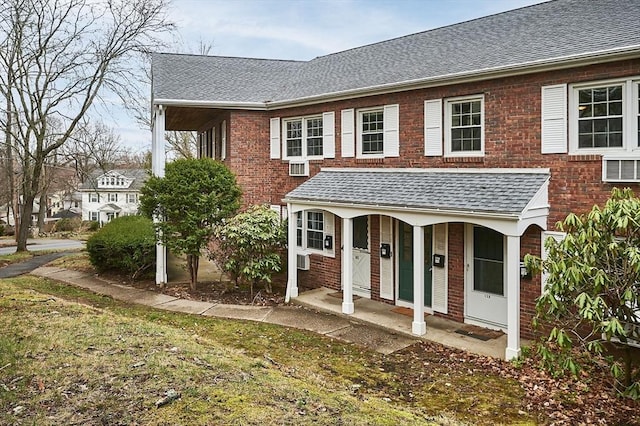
(57, 57)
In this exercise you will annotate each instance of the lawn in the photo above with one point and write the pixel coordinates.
(103, 362)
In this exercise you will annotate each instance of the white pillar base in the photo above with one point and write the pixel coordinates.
(510, 354)
(293, 292)
(347, 308)
(419, 328)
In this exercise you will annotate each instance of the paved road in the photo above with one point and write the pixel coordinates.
(38, 244)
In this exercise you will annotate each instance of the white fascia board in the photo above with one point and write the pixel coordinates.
(504, 170)
(210, 104)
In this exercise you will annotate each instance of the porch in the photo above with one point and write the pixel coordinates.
(439, 330)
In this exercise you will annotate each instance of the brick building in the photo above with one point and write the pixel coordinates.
(425, 167)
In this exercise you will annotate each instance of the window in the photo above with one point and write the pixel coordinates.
(605, 117)
(94, 216)
(311, 228)
(132, 198)
(372, 126)
(315, 229)
(112, 197)
(465, 127)
(303, 137)
(94, 198)
(600, 117)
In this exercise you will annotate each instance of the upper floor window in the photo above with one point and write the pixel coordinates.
(372, 131)
(464, 118)
(94, 198)
(112, 197)
(132, 198)
(303, 137)
(604, 117)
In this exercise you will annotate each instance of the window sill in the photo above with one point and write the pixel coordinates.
(463, 159)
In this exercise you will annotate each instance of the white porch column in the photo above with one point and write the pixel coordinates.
(158, 159)
(292, 263)
(419, 326)
(347, 266)
(513, 298)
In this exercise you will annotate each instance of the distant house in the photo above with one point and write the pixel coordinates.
(107, 195)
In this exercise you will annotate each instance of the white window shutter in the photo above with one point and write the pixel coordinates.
(329, 226)
(554, 119)
(223, 142)
(433, 127)
(347, 123)
(275, 138)
(391, 130)
(440, 289)
(329, 134)
(558, 236)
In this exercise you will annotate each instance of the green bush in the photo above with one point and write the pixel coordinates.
(67, 225)
(126, 244)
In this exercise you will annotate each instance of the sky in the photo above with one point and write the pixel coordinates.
(298, 30)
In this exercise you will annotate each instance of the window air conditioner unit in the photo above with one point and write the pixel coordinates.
(620, 169)
(302, 261)
(298, 168)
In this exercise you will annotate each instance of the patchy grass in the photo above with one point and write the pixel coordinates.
(106, 362)
(77, 261)
(8, 259)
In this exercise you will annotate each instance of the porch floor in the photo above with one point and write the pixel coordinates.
(380, 314)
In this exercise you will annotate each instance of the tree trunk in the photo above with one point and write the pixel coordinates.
(193, 262)
(25, 222)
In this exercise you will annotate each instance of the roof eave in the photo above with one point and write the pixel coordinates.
(436, 211)
(210, 104)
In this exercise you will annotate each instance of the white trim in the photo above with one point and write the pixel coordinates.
(328, 134)
(360, 112)
(347, 136)
(223, 140)
(391, 130)
(274, 135)
(303, 123)
(504, 170)
(448, 152)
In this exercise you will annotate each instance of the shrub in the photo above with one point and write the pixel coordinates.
(126, 244)
(90, 225)
(66, 225)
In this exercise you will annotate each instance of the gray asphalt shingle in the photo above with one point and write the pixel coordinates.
(139, 176)
(469, 191)
(535, 34)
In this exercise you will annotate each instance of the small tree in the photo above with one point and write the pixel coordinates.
(249, 246)
(591, 303)
(193, 197)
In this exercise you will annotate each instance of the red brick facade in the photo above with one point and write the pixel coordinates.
(512, 131)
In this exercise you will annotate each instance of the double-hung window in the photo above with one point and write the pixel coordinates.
(303, 137)
(310, 230)
(132, 198)
(464, 134)
(112, 197)
(94, 197)
(372, 132)
(604, 117)
(94, 216)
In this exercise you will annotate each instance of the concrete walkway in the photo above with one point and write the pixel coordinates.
(345, 329)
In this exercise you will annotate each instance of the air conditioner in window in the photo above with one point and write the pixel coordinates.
(302, 261)
(298, 168)
(620, 169)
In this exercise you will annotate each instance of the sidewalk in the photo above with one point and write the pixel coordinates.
(345, 329)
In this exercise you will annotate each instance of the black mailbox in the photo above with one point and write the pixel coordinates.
(438, 260)
(385, 250)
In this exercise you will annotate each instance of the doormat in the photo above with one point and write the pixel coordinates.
(405, 311)
(338, 294)
(479, 333)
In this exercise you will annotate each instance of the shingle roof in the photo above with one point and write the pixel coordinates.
(505, 192)
(548, 32)
(139, 176)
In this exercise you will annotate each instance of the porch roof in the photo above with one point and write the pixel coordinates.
(500, 192)
(110, 208)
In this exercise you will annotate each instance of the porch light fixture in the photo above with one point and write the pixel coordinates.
(328, 242)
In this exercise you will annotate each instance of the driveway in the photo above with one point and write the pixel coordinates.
(38, 244)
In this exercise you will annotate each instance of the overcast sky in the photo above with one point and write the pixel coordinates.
(300, 30)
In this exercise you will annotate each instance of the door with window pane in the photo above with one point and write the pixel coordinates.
(361, 257)
(485, 278)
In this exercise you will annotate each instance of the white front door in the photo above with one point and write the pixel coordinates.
(485, 278)
(361, 257)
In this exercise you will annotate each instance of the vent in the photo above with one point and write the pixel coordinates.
(623, 169)
(302, 261)
(298, 168)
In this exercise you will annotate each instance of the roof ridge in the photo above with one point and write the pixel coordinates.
(227, 57)
(435, 29)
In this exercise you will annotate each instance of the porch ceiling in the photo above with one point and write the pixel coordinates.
(500, 192)
(187, 118)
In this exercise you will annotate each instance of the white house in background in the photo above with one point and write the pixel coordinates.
(107, 195)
